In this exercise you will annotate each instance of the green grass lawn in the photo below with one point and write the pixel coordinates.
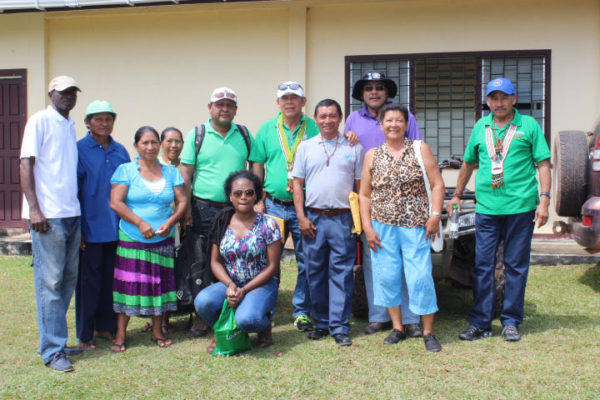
(559, 356)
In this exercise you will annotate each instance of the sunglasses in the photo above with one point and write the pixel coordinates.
(239, 192)
(293, 86)
(227, 94)
(379, 88)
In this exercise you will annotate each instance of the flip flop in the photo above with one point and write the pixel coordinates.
(162, 342)
(118, 347)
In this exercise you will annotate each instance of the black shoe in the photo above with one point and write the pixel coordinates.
(475, 333)
(395, 337)
(413, 330)
(318, 334)
(375, 327)
(431, 343)
(60, 362)
(510, 333)
(341, 339)
(72, 351)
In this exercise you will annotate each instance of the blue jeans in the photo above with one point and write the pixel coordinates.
(252, 315)
(379, 313)
(330, 257)
(517, 231)
(55, 264)
(301, 299)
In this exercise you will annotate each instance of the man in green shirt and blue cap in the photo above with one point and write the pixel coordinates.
(508, 147)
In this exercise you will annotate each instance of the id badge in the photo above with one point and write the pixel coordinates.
(497, 167)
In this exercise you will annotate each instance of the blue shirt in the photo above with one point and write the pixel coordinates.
(155, 209)
(99, 223)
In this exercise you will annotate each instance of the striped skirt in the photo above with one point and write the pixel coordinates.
(144, 281)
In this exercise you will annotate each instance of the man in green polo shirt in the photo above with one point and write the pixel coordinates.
(223, 151)
(274, 150)
(507, 146)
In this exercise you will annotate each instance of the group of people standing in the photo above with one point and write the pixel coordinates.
(108, 225)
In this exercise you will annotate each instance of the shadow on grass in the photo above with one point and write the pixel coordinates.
(591, 278)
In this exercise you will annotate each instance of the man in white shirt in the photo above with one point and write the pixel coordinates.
(49, 183)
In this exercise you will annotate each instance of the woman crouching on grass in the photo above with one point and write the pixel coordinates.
(244, 257)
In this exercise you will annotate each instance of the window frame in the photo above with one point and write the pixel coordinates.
(478, 55)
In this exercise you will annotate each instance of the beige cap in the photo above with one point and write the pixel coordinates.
(61, 83)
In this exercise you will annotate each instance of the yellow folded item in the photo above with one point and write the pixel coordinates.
(354, 208)
(281, 224)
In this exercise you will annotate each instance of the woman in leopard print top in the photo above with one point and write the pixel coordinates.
(398, 224)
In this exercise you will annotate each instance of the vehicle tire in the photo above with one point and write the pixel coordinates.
(570, 154)
(499, 278)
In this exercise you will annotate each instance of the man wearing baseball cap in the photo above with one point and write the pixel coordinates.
(49, 183)
(99, 157)
(274, 150)
(507, 147)
(376, 90)
(223, 149)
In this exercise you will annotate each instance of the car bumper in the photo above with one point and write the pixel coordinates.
(588, 235)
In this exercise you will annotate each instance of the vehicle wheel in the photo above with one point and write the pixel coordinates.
(500, 278)
(570, 154)
(360, 306)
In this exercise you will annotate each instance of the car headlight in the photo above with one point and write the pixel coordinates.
(466, 220)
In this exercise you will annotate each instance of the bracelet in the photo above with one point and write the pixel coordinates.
(437, 214)
(547, 194)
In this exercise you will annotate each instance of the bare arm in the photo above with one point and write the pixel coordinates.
(437, 191)
(117, 203)
(541, 213)
(466, 170)
(36, 217)
(364, 198)
(306, 227)
(259, 170)
(187, 173)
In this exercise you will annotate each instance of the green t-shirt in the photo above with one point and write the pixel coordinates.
(519, 192)
(267, 150)
(218, 158)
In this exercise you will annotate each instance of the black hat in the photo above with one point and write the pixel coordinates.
(357, 91)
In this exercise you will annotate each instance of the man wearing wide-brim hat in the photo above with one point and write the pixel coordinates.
(375, 90)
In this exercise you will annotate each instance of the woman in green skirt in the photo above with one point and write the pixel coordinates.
(141, 194)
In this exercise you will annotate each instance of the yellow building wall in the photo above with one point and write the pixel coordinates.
(22, 47)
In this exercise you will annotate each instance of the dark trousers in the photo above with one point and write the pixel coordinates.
(329, 259)
(94, 291)
(516, 230)
(202, 215)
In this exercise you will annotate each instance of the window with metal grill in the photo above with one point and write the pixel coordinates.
(446, 91)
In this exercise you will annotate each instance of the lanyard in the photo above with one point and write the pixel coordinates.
(288, 153)
(497, 152)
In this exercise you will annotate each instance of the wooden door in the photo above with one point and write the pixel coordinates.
(13, 116)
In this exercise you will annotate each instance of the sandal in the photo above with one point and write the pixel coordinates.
(162, 342)
(118, 347)
(87, 345)
(147, 327)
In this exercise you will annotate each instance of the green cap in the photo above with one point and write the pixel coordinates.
(99, 106)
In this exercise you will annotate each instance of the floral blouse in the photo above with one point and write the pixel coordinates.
(247, 257)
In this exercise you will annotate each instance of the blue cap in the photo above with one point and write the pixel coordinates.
(500, 84)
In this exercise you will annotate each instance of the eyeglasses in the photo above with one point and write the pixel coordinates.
(239, 192)
(227, 94)
(379, 88)
(293, 86)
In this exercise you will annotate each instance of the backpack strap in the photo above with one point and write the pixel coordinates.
(246, 135)
(200, 132)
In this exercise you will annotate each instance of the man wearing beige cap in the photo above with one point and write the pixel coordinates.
(49, 183)
(211, 152)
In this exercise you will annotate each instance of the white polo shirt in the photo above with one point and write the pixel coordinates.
(51, 139)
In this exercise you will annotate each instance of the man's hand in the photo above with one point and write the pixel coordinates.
(38, 220)
(306, 227)
(187, 219)
(352, 137)
(373, 240)
(449, 206)
(82, 244)
(260, 207)
(541, 212)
